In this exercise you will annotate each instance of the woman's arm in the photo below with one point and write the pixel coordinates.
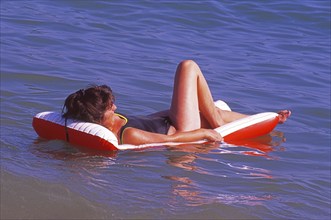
(137, 137)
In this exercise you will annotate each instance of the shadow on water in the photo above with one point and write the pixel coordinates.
(188, 169)
(193, 160)
(264, 145)
(260, 146)
(58, 149)
(69, 158)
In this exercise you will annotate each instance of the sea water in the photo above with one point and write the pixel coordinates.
(256, 55)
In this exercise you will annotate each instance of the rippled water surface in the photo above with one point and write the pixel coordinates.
(256, 55)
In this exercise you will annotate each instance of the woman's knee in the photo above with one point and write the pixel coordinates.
(187, 64)
(188, 68)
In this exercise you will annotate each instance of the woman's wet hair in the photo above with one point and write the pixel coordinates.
(89, 104)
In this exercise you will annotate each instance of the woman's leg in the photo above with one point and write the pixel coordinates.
(192, 105)
(227, 117)
(191, 96)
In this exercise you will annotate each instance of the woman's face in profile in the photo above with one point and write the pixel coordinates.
(108, 118)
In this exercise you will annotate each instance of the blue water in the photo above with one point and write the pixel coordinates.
(256, 55)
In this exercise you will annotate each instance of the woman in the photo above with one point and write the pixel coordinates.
(192, 115)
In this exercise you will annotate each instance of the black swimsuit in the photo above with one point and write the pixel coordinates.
(155, 124)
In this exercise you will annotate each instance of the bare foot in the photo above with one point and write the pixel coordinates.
(283, 115)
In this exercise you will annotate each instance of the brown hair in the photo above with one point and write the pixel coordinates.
(89, 104)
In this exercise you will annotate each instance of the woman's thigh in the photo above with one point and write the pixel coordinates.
(184, 110)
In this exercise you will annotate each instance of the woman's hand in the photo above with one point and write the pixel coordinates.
(211, 135)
